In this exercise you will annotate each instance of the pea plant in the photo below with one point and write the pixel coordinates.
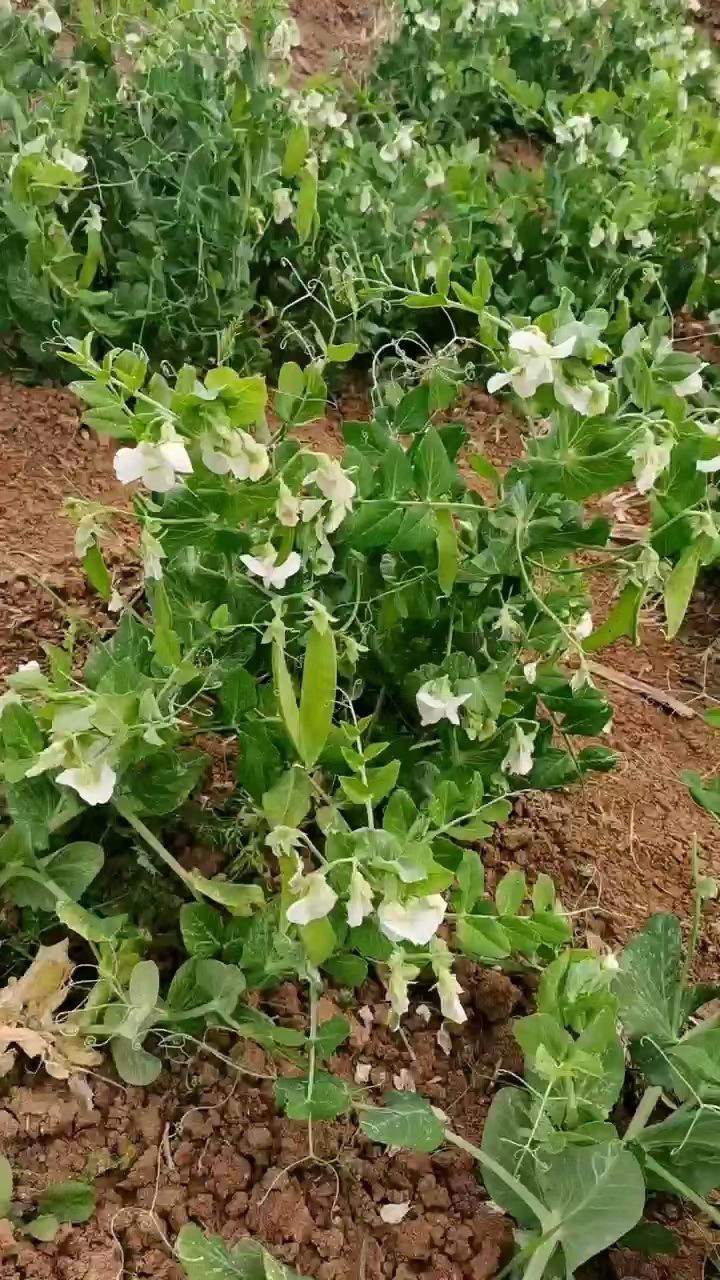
(560, 1154)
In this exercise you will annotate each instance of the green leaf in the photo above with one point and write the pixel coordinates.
(319, 940)
(382, 780)
(210, 1258)
(330, 1035)
(679, 586)
(259, 760)
(596, 1194)
(471, 879)
(317, 696)
(239, 899)
(483, 938)
(160, 783)
(650, 1238)
(134, 1065)
(6, 1185)
(510, 893)
(341, 352)
(97, 572)
(44, 1228)
(507, 1130)
(412, 413)
(328, 1097)
(648, 979)
(704, 791)
(287, 804)
(434, 472)
(202, 929)
(68, 1201)
(296, 150)
(237, 694)
(406, 1120)
(448, 551)
(75, 866)
(87, 924)
(621, 621)
(485, 469)
(347, 970)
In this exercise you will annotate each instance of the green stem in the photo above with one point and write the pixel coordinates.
(683, 1190)
(532, 1202)
(126, 811)
(645, 1108)
(540, 1258)
(693, 939)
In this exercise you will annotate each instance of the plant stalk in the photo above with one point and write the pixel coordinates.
(126, 811)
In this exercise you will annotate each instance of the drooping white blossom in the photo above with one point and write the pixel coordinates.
(287, 507)
(94, 782)
(587, 398)
(360, 902)
(535, 359)
(449, 991)
(234, 451)
(272, 574)
(401, 145)
(584, 625)
(416, 920)
(519, 758)
(436, 701)
(400, 974)
(336, 485)
(650, 458)
(283, 207)
(317, 901)
(153, 554)
(157, 465)
(617, 143)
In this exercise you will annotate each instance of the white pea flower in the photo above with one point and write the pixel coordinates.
(234, 451)
(316, 903)
(287, 507)
(506, 623)
(94, 783)
(401, 145)
(428, 21)
(435, 175)
(27, 676)
(530, 672)
(401, 974)
(574, 129)
(237, 41)
(583, 627)
(282, 204)
(284, 39)
(597, 235)
(617, 144)
(642, 239)
(153, 555)
(157, 465)
(416, 920)
(519, 757)
(310, 508)
(650, 458)
(581, 678)
(449, 991)
(610, 963)
(51, 19)
(335, 484)
(69, 159)
(535, 357)
(708, 465)
(690, 386)
(587, 398)
(272, 574)
(436, 701)
(360, 902)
